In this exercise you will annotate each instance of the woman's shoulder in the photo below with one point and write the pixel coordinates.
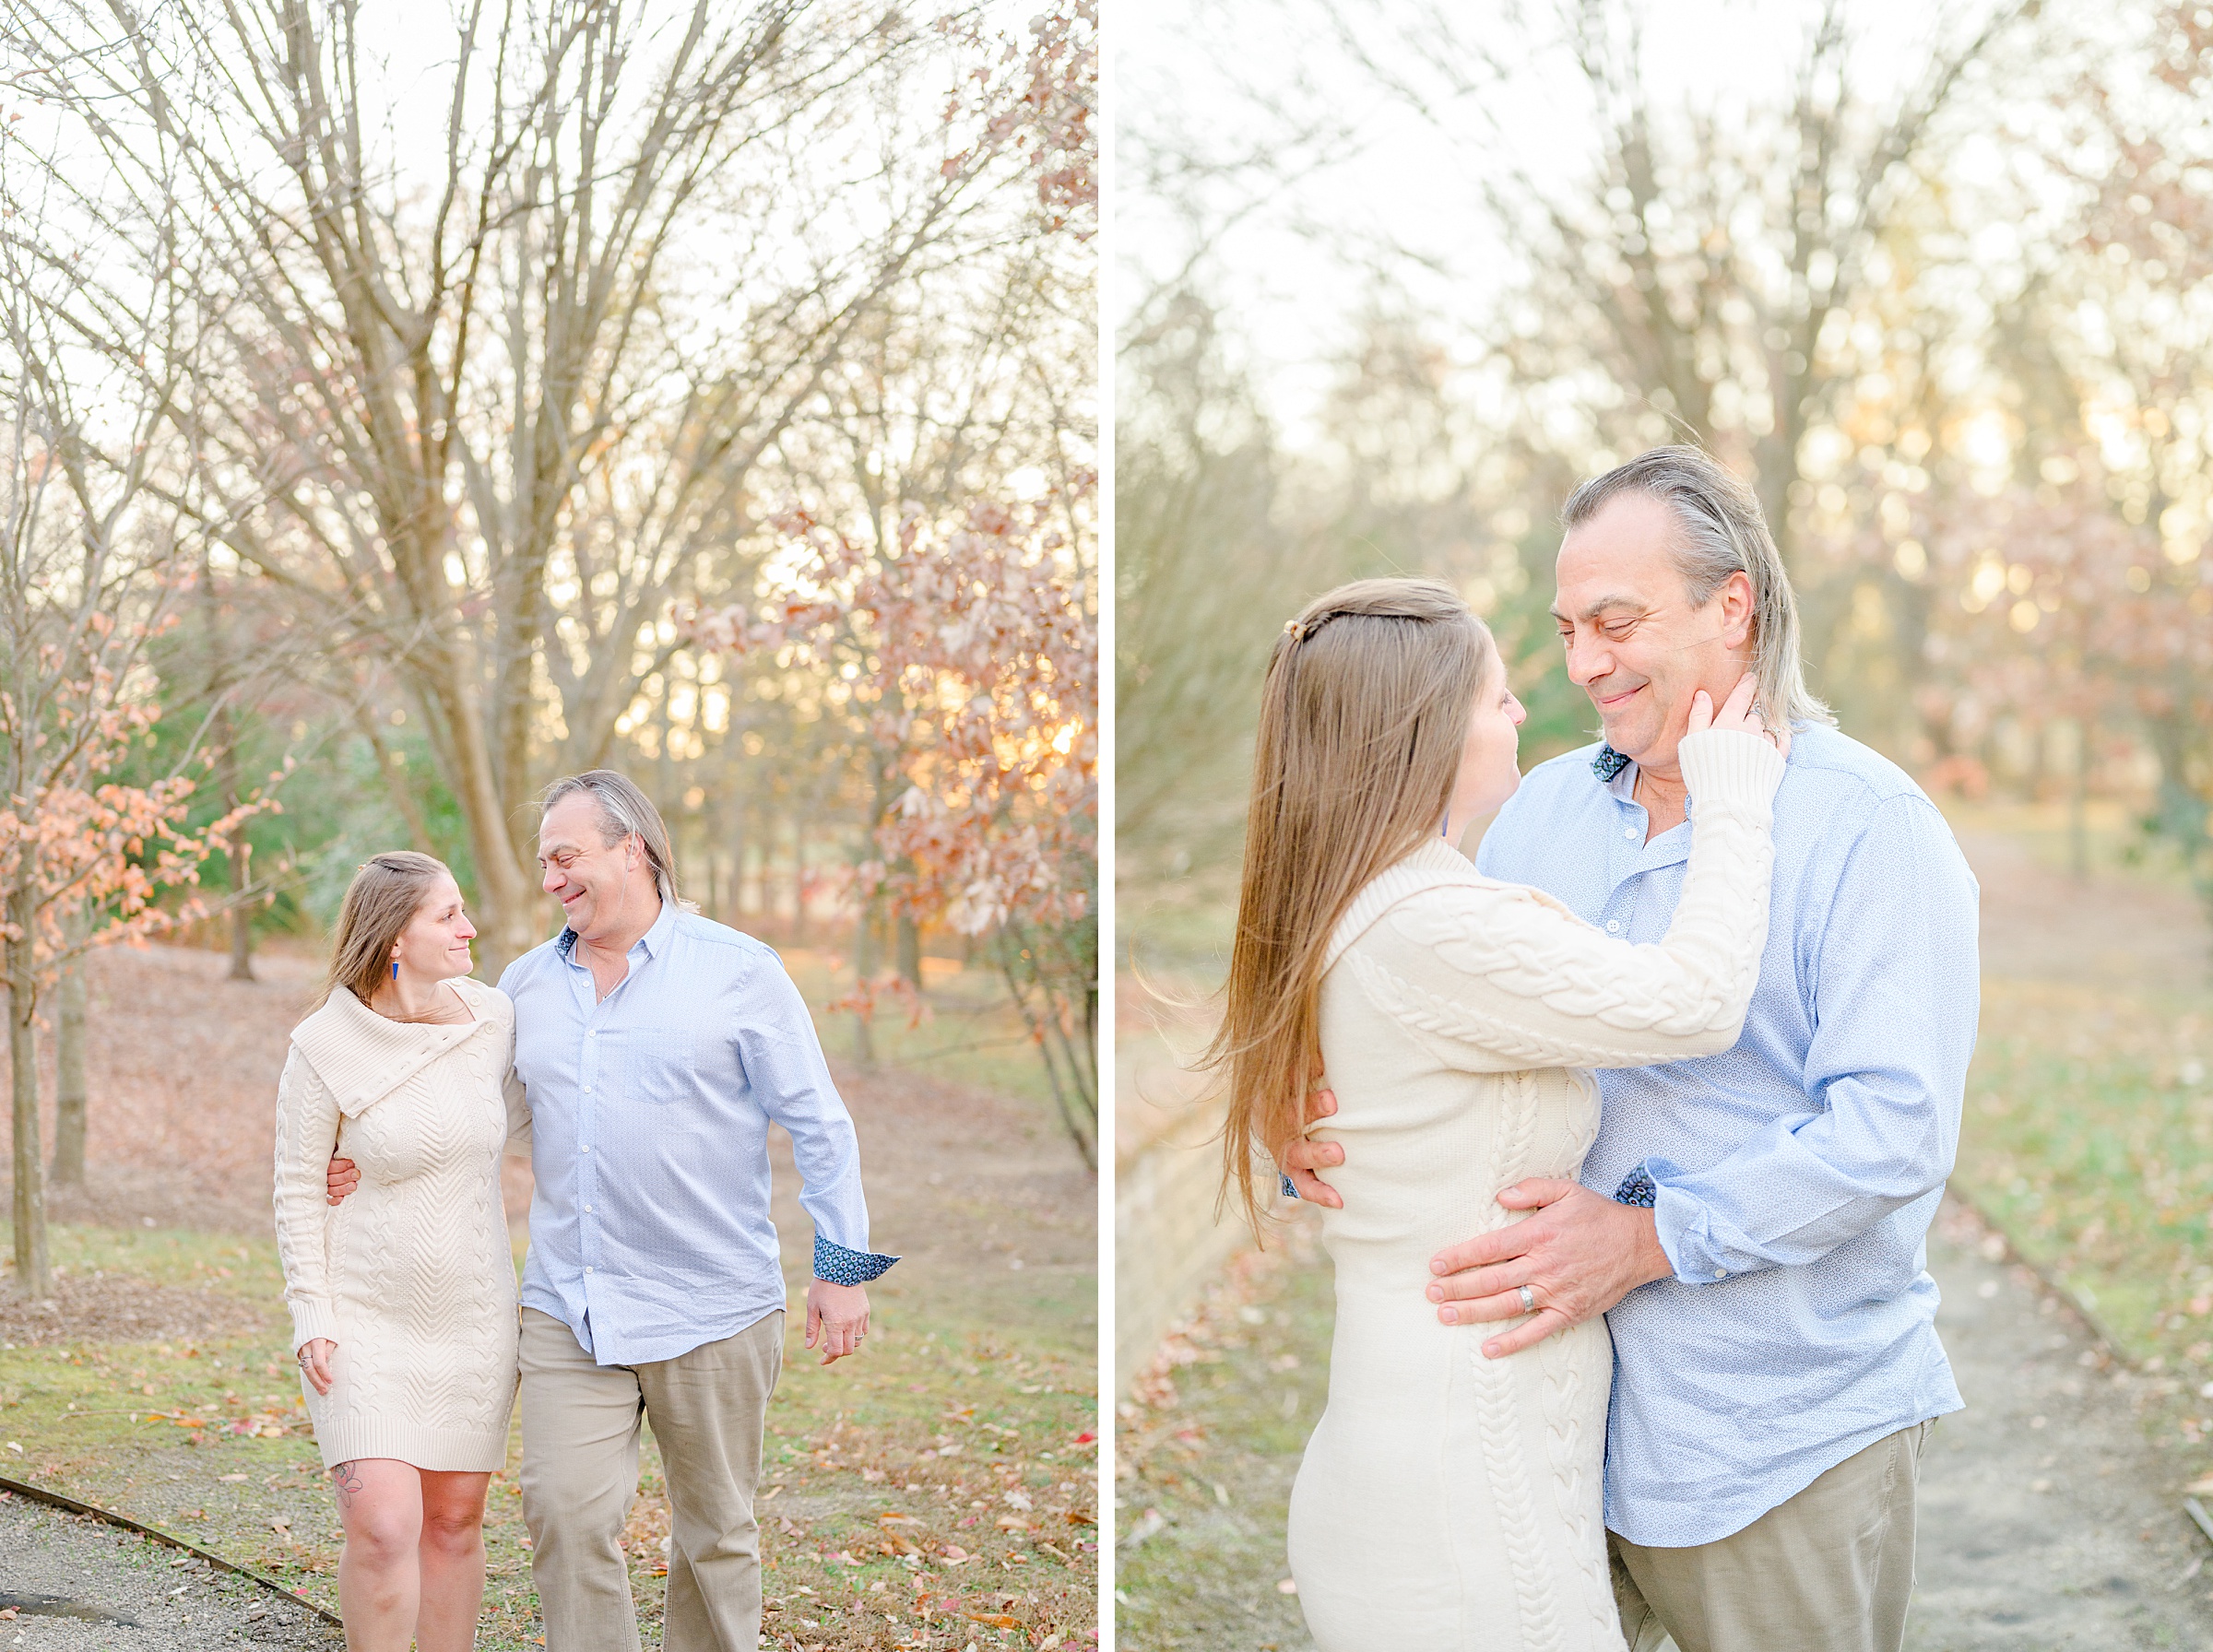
(1436, 877)
(328, 1022)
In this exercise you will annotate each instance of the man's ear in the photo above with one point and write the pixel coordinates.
(1736, 610)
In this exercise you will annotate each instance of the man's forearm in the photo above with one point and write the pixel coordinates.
(1788, 1199)
(1647, 1259)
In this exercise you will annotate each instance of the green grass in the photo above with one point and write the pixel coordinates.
(2088, 1138)
(953, 1436)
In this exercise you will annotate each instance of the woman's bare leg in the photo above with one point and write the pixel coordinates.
(380, 1505)
(453, 1561)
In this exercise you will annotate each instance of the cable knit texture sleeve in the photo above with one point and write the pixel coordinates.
(307, 1132)
(1502, 978)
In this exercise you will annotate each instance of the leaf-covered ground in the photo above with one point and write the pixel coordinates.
(938, 1491)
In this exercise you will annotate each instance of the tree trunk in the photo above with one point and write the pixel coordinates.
(2078, 833)
(864, 967)
(799, 882)
(510, 900)
(69, 1074)
(909, 952)
(741, 837)
(1073, 1081)
(239, 850)
(507, 892)
(242, 915)
(34, 1275)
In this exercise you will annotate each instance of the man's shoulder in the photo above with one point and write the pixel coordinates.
(733, 948)
(1854, 802)
(1844, 777)
(530, 964)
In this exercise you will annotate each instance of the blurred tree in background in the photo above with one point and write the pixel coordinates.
(1938, 281)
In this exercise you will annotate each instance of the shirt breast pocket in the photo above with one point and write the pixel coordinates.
(661, 1065)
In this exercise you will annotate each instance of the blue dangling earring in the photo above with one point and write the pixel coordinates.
(396, 969)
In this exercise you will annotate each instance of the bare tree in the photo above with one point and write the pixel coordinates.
(91, 556)
(486, 419)
(1705, 256)
(1204, 558)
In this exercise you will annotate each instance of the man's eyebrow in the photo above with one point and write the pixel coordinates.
(1603, 602)
(546, 851)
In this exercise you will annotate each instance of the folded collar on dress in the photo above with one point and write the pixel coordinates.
(364, 1056)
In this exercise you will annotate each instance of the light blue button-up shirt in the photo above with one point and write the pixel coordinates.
(650, 1233)
(1797, 1175)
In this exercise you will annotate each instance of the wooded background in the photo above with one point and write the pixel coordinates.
(1937, 281)
(407, 405)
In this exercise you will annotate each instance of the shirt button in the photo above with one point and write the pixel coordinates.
(1721, 1273)
(584, 1150)
(1613, 925)
(1629, 832)
(593, 1034)
(587, 1271)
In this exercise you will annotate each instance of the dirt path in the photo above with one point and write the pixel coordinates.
(2040, 925)
(2047, 1520)
(71, 1582)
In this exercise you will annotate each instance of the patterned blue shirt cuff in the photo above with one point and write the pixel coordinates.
(834, 1265)
(1290, 1188)
(1637, 1189)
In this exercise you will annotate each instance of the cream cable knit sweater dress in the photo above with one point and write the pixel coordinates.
(1447, 1501)
(412, 1276)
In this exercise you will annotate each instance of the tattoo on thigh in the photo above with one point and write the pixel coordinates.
(346, 1479)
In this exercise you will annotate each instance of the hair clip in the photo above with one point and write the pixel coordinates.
(1296, 630)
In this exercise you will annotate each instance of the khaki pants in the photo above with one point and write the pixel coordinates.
(1830, 1571)
(580, 1475)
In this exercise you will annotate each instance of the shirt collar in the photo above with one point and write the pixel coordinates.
(1616, 774)
(655, 941)
(1609, 763)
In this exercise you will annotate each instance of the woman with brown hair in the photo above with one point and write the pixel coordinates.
(403, 1298)
(1447, 1500)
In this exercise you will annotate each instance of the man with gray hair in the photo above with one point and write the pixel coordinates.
(657, 1047)
(1752, 1224)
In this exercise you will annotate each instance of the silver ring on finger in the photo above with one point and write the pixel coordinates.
(1529, 1298)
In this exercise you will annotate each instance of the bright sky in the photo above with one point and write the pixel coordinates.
(1215, 81)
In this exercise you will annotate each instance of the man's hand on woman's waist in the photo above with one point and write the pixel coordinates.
(1305, 1156)
(1575, 1258)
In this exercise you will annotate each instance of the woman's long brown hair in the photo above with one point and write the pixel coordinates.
(1363, 718)
(381, 902)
